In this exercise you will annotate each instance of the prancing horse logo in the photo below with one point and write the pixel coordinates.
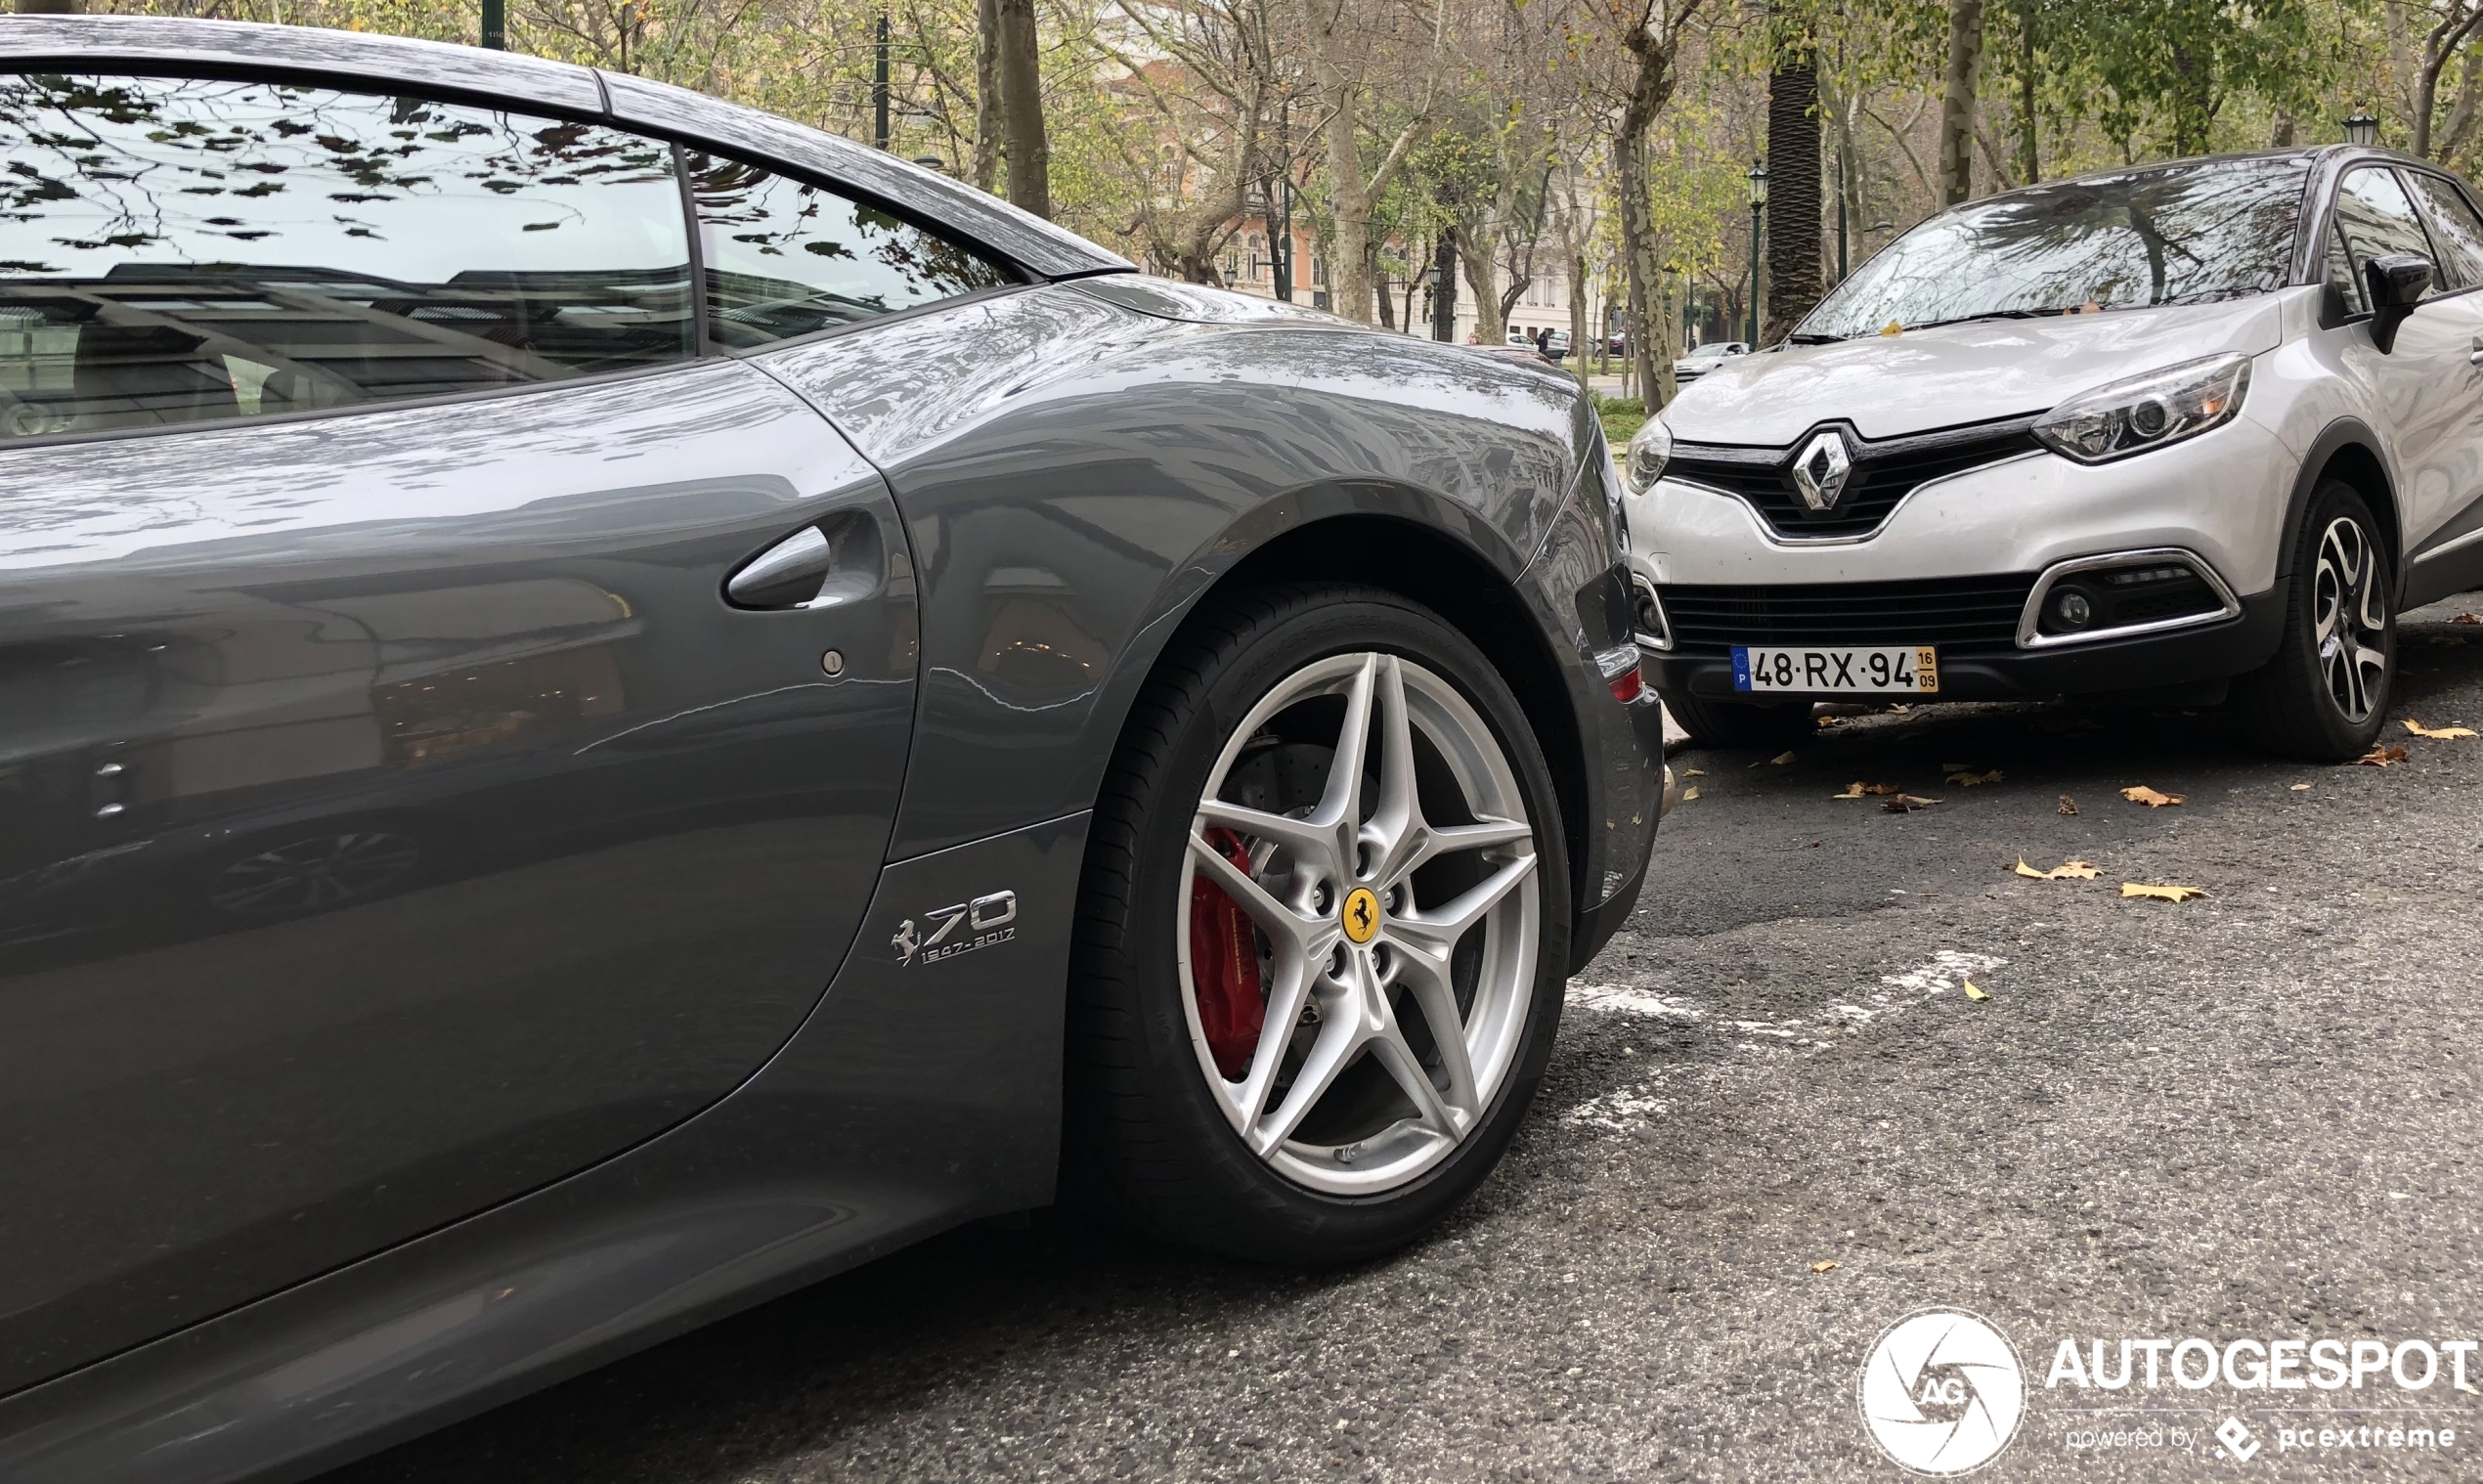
(1821, 471)
(1361, 915)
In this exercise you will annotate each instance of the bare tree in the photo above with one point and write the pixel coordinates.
(1339, 38)
(2418, 64)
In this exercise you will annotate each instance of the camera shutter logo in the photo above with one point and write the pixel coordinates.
(1941, 1393)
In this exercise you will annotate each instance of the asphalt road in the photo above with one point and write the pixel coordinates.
(2247, 1114)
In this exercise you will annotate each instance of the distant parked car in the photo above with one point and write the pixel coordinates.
(2210, 425)
(1703, 359)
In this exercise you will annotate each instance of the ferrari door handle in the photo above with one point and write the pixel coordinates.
(826, 564)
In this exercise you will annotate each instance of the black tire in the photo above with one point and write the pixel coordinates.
(1738, 724)
(2302, 703)
(1147, 1143)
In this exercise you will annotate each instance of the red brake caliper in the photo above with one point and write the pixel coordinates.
(1224, 965)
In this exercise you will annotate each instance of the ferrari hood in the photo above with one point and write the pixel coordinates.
(1889, 386)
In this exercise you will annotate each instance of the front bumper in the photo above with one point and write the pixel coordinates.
(2211, 651)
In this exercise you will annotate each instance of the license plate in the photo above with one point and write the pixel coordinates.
(1912, 667)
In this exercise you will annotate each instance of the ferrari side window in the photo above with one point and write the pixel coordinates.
(178, 250)
(785, 257)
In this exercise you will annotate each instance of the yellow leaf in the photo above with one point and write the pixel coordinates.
(1781, 759)
(2067, 870)
(1694, 772)
(1974, 993)
(1853, 790)
(2149, 797)
(2299, 787)
(2068, 805)
(1894, 328)
(2442, 734)
(1970, 780)
(2382, 757)
(1823, 1267)
(1689, 794)
(1906, 803)
(2160, 892)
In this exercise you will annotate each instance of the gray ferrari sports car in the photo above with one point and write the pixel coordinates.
(609, 705)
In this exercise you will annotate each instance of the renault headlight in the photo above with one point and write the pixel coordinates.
(1650, 449)
(2125, 417)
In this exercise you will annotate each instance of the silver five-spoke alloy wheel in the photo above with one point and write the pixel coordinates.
(2350, 619)
(1371, 840)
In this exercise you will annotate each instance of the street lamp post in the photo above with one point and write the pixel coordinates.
(496, 25)
(2362, 129)
(1757, 205)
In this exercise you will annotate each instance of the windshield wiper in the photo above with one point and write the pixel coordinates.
(1989, 313)
(1814, 339)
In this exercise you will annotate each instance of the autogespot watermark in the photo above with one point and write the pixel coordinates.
(1942, 1392)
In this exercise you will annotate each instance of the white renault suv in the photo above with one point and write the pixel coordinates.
(2192, 428)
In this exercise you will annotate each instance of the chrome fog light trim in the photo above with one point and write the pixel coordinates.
(2029, 620)
(1647, 623)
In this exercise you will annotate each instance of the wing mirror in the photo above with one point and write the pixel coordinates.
(2395, 283)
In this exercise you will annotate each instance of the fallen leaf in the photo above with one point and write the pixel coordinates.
(2442, 734)
(1781, 759)
(2299, 787)
(1694, 772)
(1906, 803)
(1858, 789)
(2382, 757)
(2468, 617)
(1898, 708)
(1689, 794)
(1853, 790)
(2068, 805)
(1823, 1267)
(1893, 327)
(2149, 797)
(1970, 780)
(2067, 870)
(1974, 993)
(2160, 892)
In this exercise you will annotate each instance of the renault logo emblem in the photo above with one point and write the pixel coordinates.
(1821, 471)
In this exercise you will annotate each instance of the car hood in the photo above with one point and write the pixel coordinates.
(1890, 385)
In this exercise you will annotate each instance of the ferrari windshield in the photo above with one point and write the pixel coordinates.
(2172, 234)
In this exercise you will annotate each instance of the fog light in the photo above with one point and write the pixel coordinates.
(2070, 607)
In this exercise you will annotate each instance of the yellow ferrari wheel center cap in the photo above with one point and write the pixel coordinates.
(1361, 915)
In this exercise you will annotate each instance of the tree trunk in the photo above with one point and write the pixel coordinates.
(1958, 102)
(2029, 153)
(1021, 109)
(1444, 287)
(1483, 276)
(1578, 316)
(1348, 195)
(1380, 292)
(987, 166)
(1630, 175)
(1793, 191)
(47, 7)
